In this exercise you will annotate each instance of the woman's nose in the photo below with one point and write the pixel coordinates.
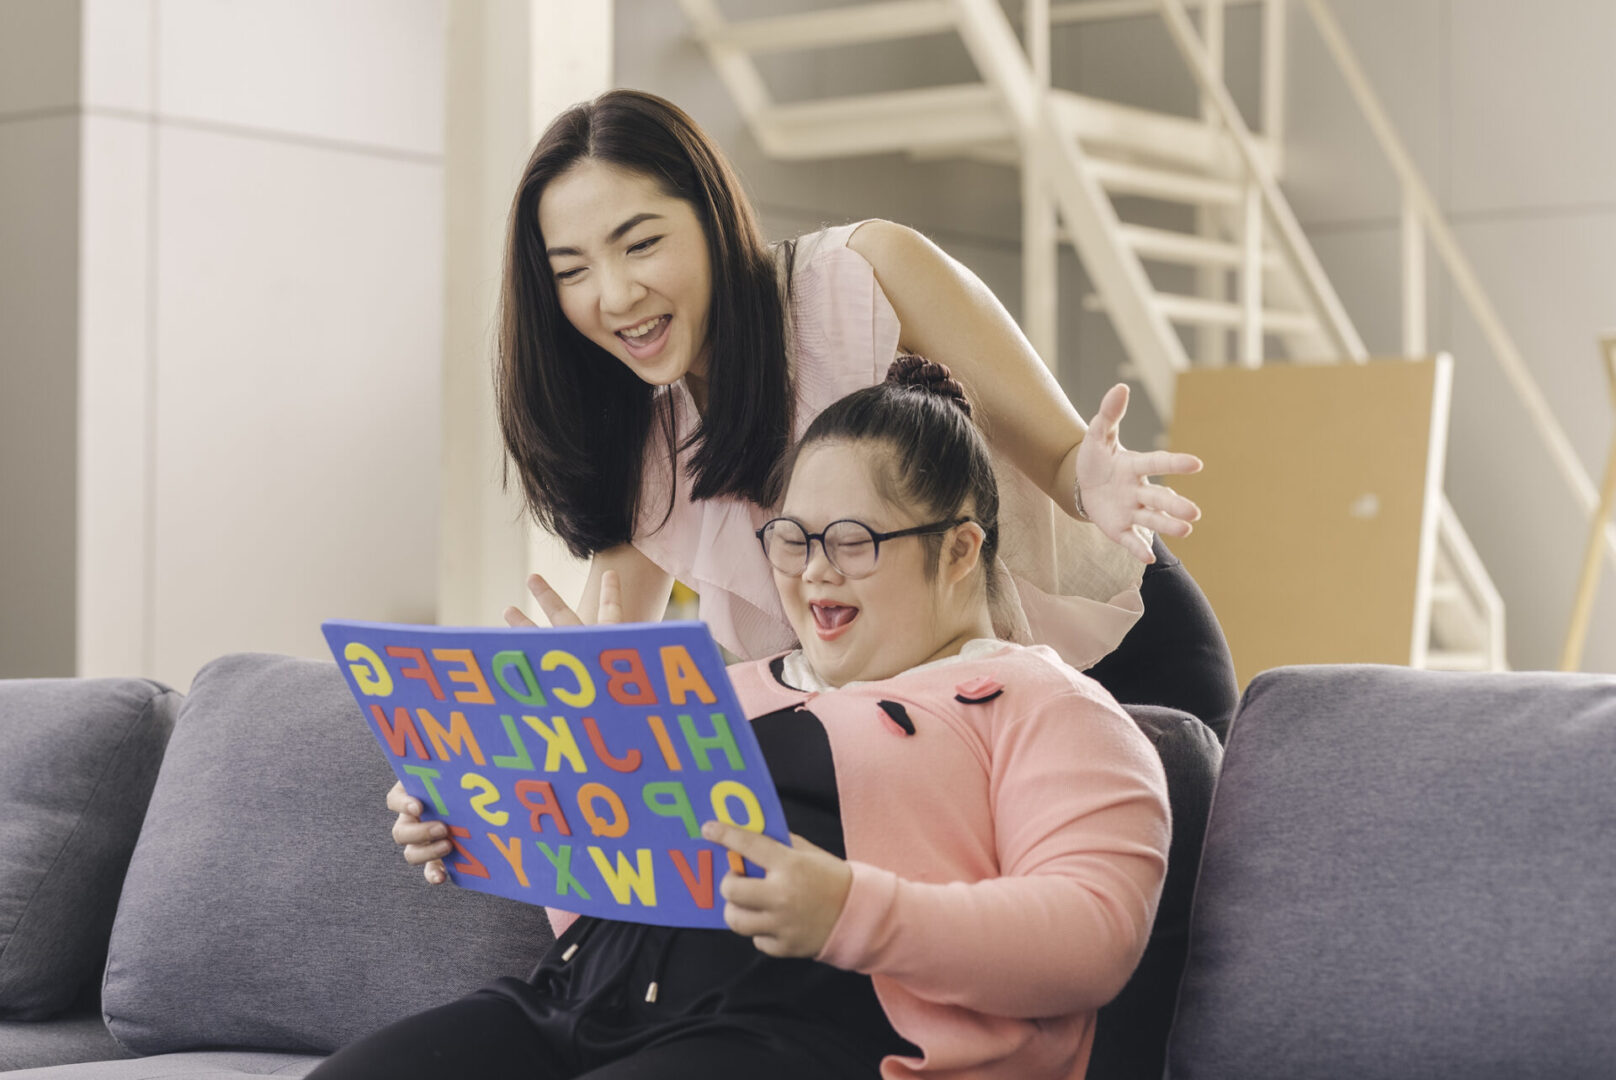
(619, 292)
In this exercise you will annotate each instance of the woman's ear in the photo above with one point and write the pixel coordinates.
(963, 552)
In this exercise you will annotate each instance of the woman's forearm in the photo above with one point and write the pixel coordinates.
(947, 314)
(645, 585)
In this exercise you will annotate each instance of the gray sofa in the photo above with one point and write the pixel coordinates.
(1405, 875)
(263, 919)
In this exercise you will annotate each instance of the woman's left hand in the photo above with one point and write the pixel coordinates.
(1115, 482)
(791, 909)
(559, 613)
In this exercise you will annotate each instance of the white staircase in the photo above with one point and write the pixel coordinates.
(1259, 285)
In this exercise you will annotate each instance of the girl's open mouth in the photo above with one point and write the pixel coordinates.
(647, 337)
(832, 620)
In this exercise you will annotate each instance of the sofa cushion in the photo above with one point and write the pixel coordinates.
(27, 1044)
(202, 1065)
(1130, 1037)
(266, 906)
(78, 762)
(1407, 874)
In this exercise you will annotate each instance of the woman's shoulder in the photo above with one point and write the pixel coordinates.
(872, 242)
(809, 247)
(842, 332)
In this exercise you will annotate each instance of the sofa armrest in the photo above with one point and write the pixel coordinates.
(79, 759)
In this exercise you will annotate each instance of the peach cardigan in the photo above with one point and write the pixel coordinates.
(1007, 855)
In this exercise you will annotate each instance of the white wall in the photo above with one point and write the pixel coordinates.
(512, 65)
(255, 328)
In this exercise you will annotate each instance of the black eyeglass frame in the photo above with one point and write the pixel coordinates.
(877, 537)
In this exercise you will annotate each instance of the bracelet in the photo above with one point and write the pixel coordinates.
(1077, 500)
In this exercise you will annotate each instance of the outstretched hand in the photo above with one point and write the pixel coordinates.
(791, 909)
(1117, 494)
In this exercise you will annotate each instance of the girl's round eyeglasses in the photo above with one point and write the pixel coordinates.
(851, 546)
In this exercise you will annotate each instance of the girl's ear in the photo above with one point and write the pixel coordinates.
(963, 553)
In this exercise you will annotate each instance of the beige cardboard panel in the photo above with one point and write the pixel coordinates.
(1312, 496)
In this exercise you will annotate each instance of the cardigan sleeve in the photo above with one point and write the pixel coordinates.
(1081, 832)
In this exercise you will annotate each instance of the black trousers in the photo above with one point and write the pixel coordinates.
(488, 1036)
(1176, 654)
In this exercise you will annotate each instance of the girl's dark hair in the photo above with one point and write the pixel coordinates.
(575, 419)
(939, 460)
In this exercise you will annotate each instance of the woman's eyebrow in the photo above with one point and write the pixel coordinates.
(611, 238)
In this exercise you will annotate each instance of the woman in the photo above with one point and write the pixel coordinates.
(656, 359)
(979, 832)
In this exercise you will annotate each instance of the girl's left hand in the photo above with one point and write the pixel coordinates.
(1115, 482)
(791, 909)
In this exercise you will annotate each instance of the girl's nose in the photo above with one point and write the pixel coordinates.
(819, 567)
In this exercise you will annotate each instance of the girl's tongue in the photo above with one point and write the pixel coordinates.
(830, 619)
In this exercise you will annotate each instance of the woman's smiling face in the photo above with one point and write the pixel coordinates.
(631, 268)
(867, 628)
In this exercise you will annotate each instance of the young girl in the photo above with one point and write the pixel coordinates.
(656, 359)
(980, 833)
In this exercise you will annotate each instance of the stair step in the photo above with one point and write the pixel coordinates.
(1126, 132)
(1447, 660)
(944, 119)
(1221, 313)
(1194, 311)
(846, 25)
(1447, 592)
(1165, 245)
(1128, 178)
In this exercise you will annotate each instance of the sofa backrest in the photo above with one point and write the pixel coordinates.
(78, 758)
(1407, 874)
(1130, 1038)
(265, 905)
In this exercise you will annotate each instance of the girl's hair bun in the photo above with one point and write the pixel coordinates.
(930, 376)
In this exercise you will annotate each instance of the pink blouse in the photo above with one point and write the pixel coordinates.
(1063, 584)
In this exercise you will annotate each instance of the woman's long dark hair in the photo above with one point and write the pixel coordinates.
(576, 421)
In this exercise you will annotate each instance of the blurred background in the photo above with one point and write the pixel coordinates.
(249, 251)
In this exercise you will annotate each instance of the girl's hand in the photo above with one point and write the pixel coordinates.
(1115, 486)
(425, 843)
(556, 610)
(791, 909)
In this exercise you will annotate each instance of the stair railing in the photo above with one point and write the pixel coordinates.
(1085, 209)
(1293, 242)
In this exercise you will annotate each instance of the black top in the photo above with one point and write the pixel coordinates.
(596, 999)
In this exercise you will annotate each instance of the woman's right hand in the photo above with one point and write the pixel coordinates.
(425, 843)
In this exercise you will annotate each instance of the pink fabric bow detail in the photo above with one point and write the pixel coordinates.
(979, 689)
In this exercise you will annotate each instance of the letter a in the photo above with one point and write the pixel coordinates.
(684, 676)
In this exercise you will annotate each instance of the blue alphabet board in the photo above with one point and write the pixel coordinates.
(573, 765)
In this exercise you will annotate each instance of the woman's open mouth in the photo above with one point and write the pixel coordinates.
(832, 620)
(646, 338)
